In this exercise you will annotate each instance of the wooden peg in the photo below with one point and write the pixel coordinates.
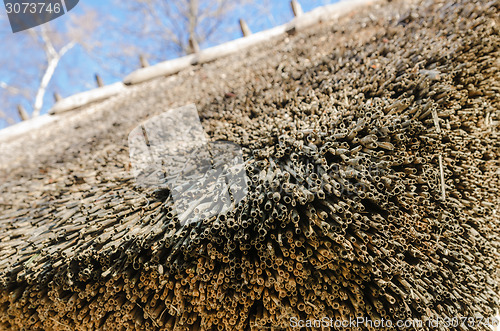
(296, 8)
(57, 97)
(245, 30)
(22, 113)
(144, 61)
(193, 46)
(98, 80)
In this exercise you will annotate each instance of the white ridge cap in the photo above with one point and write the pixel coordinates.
(84, 98)
(25, 126)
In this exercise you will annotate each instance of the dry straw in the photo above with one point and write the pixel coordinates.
(346, 216)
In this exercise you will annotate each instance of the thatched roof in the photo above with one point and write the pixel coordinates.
(372, 147)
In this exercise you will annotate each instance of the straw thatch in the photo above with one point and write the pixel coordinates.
(372, 151)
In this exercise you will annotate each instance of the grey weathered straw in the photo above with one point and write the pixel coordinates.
(373, 159)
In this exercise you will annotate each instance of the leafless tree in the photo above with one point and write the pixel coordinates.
(177, 27)
(53, 57)
(159, 29)
(33, 56)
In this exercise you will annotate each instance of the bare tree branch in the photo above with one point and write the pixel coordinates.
(49, 72)
(182, 23)
(11, 89)
(47, 45)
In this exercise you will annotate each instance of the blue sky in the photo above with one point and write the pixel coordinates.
(77, 68)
